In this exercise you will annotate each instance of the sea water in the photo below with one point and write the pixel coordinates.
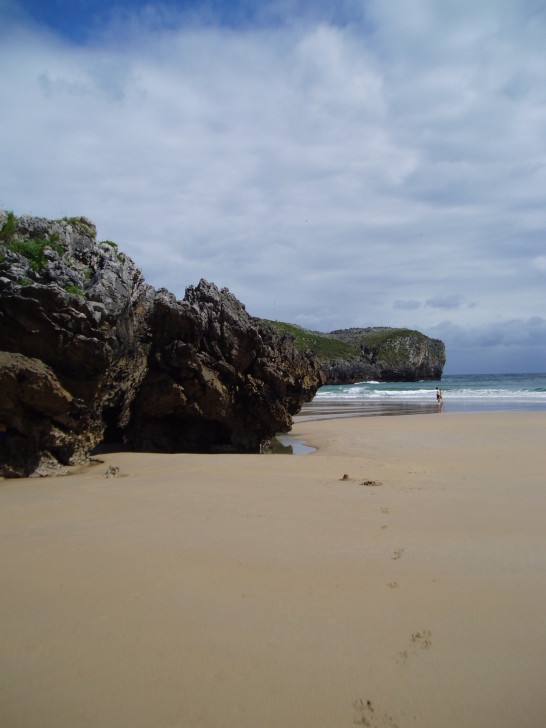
(461, 393)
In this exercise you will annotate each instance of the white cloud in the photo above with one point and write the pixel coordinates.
(351, 169)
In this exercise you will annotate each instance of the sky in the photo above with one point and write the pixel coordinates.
(334, 165)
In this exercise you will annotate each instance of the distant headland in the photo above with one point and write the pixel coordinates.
(375, 353)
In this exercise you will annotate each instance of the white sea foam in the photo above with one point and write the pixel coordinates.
(482, 391)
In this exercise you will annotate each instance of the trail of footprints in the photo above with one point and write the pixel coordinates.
(368, 714)
(365, 712)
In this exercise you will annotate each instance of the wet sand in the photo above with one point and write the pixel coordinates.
(396, 577)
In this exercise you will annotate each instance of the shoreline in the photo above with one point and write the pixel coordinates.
(323, 410)
(332, 409)
(394, 577)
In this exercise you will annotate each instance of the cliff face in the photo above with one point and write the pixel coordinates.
(92, 354)
(385, 354)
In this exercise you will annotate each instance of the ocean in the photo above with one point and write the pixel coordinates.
(461, 393)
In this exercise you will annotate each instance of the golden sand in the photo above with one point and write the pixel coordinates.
(394, 578)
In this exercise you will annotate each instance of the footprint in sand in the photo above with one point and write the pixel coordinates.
(421, 640)
(366, 714)
(397, 554)
(385, 510)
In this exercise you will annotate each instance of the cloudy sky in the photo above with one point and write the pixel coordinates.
(358, 163)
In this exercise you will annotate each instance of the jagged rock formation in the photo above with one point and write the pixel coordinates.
(92, 355)
(386, 355)
(217, 379)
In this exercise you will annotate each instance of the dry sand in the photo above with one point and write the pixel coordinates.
(268, 591)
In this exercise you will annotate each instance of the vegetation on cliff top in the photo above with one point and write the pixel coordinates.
(387, 344)
(32, 248)
(390, 345)
(323, 346)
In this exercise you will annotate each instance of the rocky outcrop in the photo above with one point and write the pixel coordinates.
(45, 424)
(385, 355)
(217, 379)
(81, 309)
(94, 355)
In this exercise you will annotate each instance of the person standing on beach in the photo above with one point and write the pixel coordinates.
(439, 396)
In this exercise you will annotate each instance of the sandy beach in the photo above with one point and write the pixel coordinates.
(396, 577)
